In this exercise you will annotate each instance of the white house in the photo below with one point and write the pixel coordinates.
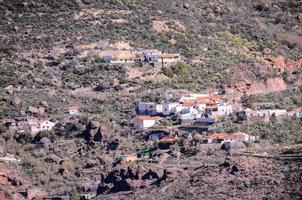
(36, 125)
(188, 110)
(149, 108)
(143, 121)
(73, 110)
(256, 113)
(200, 106)
(171, 108)
(277, 112)
(169, 58)
(224, 109)
(240, 137)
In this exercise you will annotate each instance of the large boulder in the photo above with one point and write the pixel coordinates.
(130, 178)
(275, 84)
(36, 193)
(95, 131)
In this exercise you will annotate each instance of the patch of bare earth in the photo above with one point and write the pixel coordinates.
(160, 26)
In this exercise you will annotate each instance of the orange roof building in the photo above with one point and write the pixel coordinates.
(240, 137)
(215, 138)
(168, 139)
(143, 121)
(169, 56)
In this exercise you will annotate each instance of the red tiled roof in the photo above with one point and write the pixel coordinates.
(168, 139)
(217, 136)
(169, 55)
(188, 103)
(144, 117)
(73, 107)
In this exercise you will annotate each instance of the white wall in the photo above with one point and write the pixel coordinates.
(73, 112)
(277, 112)
(148, 123)
(170, 108)
(144, 123)
(225, 109)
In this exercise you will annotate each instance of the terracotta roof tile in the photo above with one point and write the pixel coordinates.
(217, 136)
(169, 55)
(144, 117)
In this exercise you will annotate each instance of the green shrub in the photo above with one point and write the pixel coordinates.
(48, 134)
(180, 68)
(168, 72)
(23, 138)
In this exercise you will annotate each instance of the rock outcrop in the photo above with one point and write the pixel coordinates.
(95, 132)
(283, 64)
(249, 87)
(130, 178)
(35, 193)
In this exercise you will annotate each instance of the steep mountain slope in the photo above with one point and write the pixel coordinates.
(49, 57)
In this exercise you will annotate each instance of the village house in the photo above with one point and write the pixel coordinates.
(149, 108)
(168, 139)
(240, 137)
(223, 109)
(169, 58)
(192, 106)
(151, 58)
(257, 116)
(215, 138)
(131, 157)
(206, 120)
(148, 56)
(73, 110)
(188, 119)
(299, 114)
(8, 123)
(38, 125)
(171, 108)
(277, 112)
(143, 121)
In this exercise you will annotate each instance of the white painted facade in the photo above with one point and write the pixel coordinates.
(277, 112)
(171, 108)
(38, 126)
(74, 112)
(200, 107)
(242, 137)
(225, 109)
(143, 123)
(171, 60)
(150, 108)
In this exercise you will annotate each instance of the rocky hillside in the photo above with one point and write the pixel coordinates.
(49, 56)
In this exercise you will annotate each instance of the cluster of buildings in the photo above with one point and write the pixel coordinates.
(205, 109)
(200, 108)
(28, 124)
(164, 139)
(217, 138)
(147, 56)
(33, 120)
(265, 115)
